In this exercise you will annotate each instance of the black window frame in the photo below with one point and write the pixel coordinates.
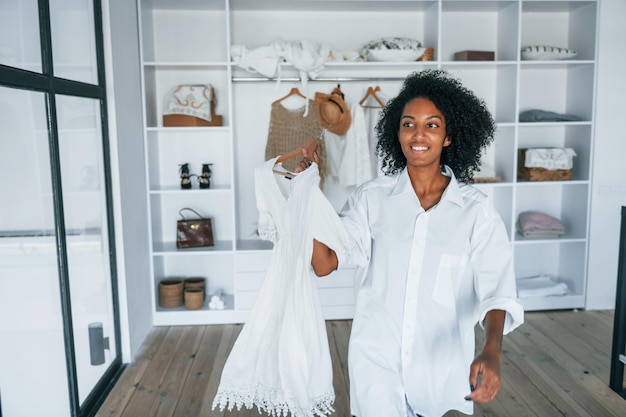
(45, 82)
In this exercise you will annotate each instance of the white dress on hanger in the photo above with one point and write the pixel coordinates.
(281, 360)
(372, 116)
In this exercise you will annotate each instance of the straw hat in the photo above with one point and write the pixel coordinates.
(334, 112)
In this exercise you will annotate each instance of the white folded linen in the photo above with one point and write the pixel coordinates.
(540, 286)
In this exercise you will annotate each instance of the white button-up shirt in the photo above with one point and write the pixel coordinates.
(427, 278)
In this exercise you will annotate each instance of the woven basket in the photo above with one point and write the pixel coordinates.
(428, 55)
(539, 174)
(194, 298)
(195, 282)
(171, 292)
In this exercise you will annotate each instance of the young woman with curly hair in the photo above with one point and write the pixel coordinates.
(469, 125)
(433, 259)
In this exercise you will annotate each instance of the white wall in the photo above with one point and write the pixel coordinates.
(609, 176)
(129, 178)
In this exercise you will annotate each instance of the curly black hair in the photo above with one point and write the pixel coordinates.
(469, 125)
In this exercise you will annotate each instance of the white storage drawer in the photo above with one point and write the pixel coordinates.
(335, 290)
(252, 261)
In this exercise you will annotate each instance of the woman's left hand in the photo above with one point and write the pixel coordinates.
(487, 366)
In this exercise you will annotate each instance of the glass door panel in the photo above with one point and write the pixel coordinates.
(86, 228)
(19, 35)
(59, 330)
(33, 371)
(73, 40)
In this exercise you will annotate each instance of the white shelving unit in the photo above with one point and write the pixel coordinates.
(188, 41)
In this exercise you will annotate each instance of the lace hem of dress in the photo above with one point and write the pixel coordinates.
(268, 233)
(267, 400)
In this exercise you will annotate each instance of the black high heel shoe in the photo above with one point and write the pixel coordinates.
(185, 178)
(205, 178)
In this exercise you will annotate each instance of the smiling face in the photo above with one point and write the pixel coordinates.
(422, 133)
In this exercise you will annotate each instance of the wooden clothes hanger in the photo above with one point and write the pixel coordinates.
(311, 147)
(294, 92)
(371, 92)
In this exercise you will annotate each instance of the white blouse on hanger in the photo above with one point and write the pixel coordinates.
(281, 360)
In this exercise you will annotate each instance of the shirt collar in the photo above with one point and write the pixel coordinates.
(452, 192)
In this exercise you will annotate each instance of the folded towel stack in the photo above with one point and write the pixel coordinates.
(537, 115)
(536, 224)
(540, 286)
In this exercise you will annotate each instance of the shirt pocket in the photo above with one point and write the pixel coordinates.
(449, 274)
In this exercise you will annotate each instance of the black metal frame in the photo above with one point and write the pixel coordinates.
(47, 83)
(618, 355)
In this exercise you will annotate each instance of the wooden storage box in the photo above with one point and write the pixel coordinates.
(539, 174)
(474, 56)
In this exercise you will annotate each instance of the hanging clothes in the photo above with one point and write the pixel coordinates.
(372, 115)
(290, 129)
(349, 154)
(349, 158)
(281, 360)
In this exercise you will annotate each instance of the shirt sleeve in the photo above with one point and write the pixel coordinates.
(492, 262)
(354, 218)
(329, 229)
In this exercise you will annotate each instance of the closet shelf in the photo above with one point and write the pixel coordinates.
(181, 64)
(318, 79)
(169, 248)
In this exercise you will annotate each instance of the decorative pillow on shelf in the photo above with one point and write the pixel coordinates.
(546, 53)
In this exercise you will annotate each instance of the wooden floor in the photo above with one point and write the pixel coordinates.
(555, 364)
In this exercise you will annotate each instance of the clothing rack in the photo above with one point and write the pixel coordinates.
(318, 79)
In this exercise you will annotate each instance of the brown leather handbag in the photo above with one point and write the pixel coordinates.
(192, 233)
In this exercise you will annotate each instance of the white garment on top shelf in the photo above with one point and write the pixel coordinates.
(281, 361)
(264, 60)
(427, 278)
(307, 57)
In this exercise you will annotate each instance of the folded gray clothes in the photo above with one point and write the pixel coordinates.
(537, 224)
(536, 115)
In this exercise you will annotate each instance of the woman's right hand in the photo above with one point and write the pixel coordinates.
(307, 160)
